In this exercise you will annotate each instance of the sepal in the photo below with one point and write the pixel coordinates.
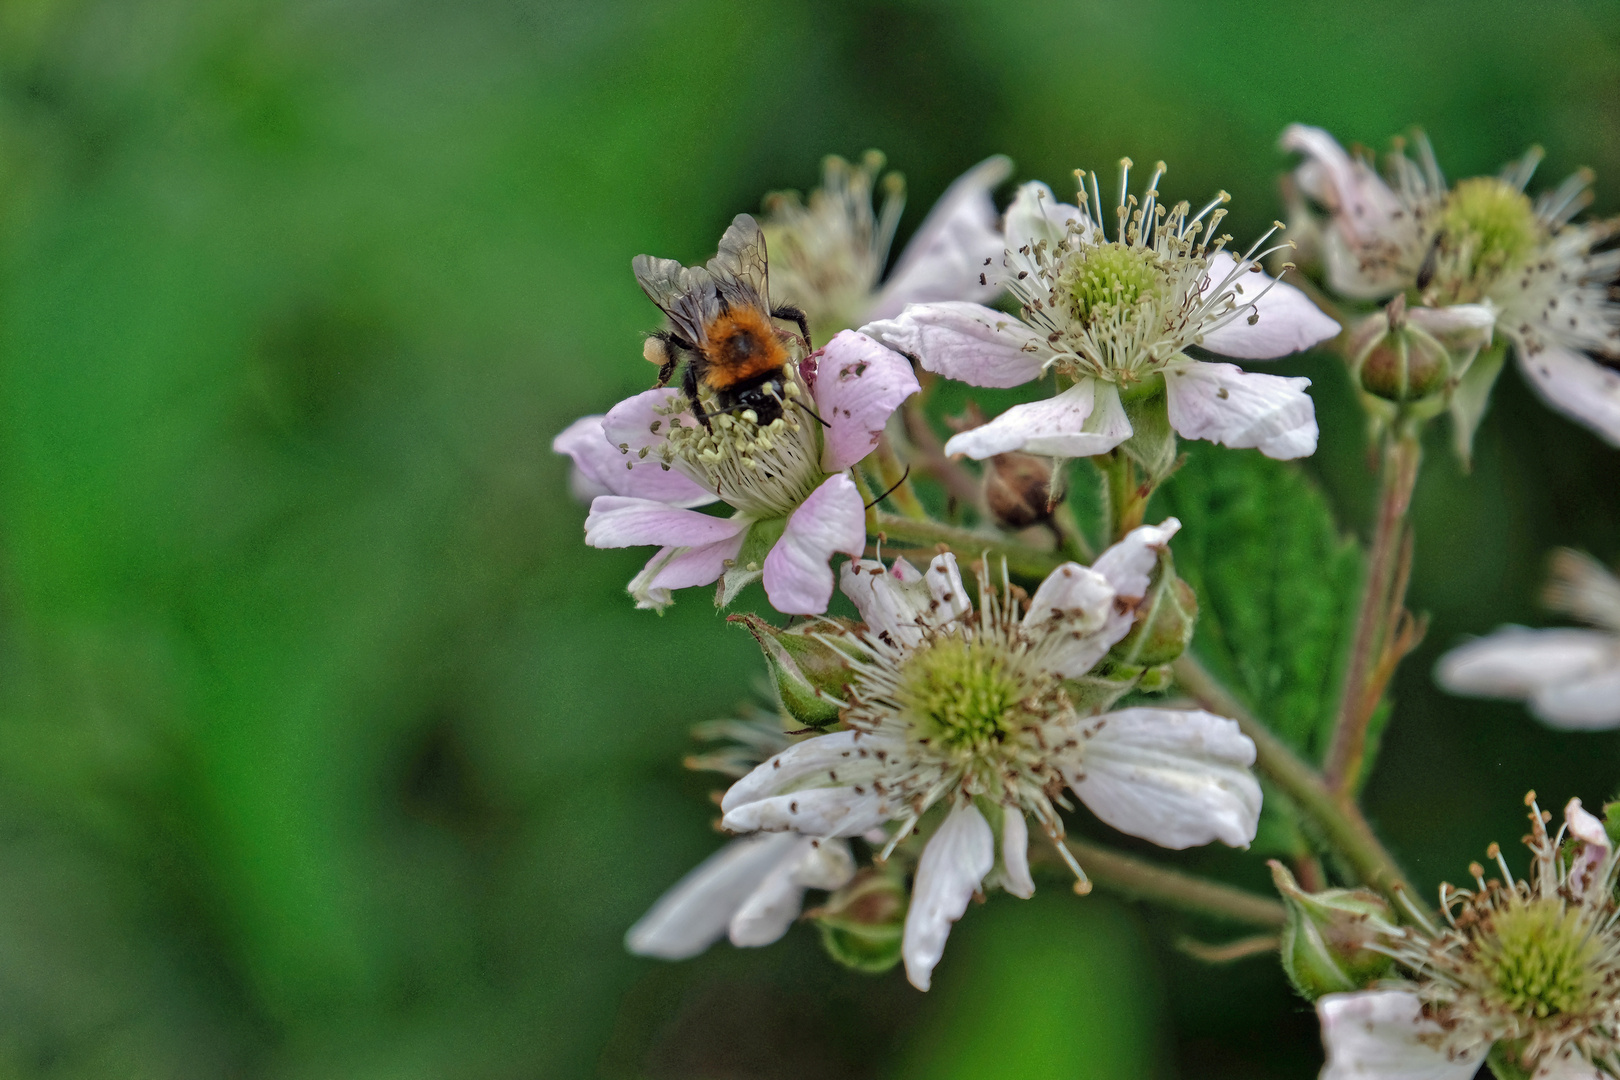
(1325, 944)
(808, 675)
(862, 924)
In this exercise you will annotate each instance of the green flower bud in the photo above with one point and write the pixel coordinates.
(1164, 621)
(863, 923)
(807, 674)
(1396, 361)
(1324, 945)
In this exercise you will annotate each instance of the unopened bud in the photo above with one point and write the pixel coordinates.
(1164, 620)
(1325, 946)
(863, 923)
(1018, 490)
(1396, 361)
(807, 674)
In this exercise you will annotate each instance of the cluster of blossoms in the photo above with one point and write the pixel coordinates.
(912, 745)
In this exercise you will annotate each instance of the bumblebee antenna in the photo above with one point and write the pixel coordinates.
(812, 412)
(892, 487)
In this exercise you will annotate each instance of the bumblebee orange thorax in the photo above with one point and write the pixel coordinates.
(742, 344)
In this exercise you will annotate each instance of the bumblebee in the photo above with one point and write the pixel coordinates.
(721, 318)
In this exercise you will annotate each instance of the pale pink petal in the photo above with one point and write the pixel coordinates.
(771, 908)
(617, 521)
(947, 253)
(601, 468)
(798, 579)
(859, 384)
(1242, 409)
(1515, 662)
(1070, 610)
(1461, 326)
(1085, 419)
(1588, 703)
(1362, 203)
(693, 915)
(891, 602)
(1177, 778)
(682, 568)
(966, 342)
(1015, 854)
(1037, 215)
(1594, 840)
(1577, 386)
(951, 869)
(1273, 318)
(1382, 1035)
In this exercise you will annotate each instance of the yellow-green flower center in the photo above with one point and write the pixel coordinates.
(1489, 223)
(1107, 277)
(961, 695)
(1540, 958)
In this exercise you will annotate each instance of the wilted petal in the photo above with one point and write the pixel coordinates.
(770, 909)
(1588, 703)
(1015, 854)
(798, 579)
(947, 253)
(1515, 662)
(682, 568)
(1177, 778)
(693, 915)
(617, 521)
(951, 869)
(1379, 1035)
(892, 602)
(1578, 387)
(1242, 409)
(1284, 319)
(1085, 419)
(859, 384)
(601, 468)
(821, 812)
(966, 342)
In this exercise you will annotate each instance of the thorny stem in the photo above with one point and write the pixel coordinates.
(1143, 880)
(1336, 815)
(1022, 560)
(1384, 632)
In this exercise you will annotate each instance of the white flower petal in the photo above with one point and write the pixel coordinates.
(1037, 215)
(771, 908)
(950, 600)
(1362, 203)
(1129, 564)
(693, 915)
(951, 869)
(891, 602)
(1242, 409)
(1285, 320)
(1577, 386)
(802, 762)
(1015, 854)
(617, 521)
(1177, 778)
(1515, 662)
(1085, 419)
(682, 568)
(1461, 326)
(966, 342)
(1072, 609)
(1590, 703)
(1378, 1035)
(858, 385)
(821, 812)
(1569, 1066)
(601, 468)
(798, 579)
(947, 253)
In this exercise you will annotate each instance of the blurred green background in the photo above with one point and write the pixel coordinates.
(326, 747)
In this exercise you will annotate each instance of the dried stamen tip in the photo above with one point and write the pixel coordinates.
(1476, 870)
(1082, 888)
(1530, 798)
(1493, 851)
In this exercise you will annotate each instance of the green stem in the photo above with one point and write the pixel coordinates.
(1023, 561)
(1137, 878)
(1337, 816)
(1127, 497)
(897, 482)
(1382, 600)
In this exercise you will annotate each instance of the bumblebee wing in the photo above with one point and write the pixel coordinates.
(739, 268)
(685, 294)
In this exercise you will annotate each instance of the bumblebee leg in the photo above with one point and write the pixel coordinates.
(796, 315)
(690, 385)
(669, 344)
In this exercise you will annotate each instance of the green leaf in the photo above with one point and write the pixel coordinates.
(1277, 585)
